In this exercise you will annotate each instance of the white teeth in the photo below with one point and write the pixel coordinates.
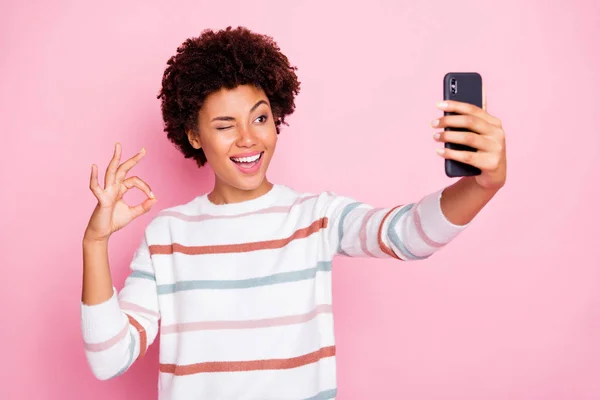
(246, 159)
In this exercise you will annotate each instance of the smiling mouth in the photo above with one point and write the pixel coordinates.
(247, 162)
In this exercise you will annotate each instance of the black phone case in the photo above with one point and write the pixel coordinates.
(468, 90)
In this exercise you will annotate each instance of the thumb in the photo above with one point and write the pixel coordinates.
(142, 208)
(484, 99)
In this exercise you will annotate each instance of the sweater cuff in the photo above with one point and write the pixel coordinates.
(434, 223)
(100, 322)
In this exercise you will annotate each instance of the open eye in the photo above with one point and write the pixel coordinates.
(262, 119)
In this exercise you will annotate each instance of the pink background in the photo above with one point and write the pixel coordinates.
(511, 310)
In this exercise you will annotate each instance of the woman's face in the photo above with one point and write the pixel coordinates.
(238, 136)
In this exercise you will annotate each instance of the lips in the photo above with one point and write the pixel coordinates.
(247, 158)
(248, 163)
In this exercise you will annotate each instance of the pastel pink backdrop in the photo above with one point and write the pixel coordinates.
(511, 310)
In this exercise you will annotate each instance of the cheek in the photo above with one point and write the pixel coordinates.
(269, 138)
(217, 146)
(272, 141)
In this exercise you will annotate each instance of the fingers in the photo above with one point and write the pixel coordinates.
(134, 181)
(469, 109)
(127, 165)
(111, 170)
(146, 205)
(482, 160)
(478, 142)
(94, 185)
(470, 122)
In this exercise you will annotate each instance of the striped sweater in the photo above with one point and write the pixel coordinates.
(242, 292)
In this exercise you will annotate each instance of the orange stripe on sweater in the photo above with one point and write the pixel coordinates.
(143, 337)
(242, 247)
(382, 245)
(232, 366)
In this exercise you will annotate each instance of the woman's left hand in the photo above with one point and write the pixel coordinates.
(487, 136)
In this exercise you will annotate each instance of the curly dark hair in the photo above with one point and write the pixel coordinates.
(224, 59)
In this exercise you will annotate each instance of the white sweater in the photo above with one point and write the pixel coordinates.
(242, 292)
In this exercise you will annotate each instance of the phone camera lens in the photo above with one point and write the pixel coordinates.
(453, 86)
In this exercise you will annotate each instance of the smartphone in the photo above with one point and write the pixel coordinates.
(467, 88)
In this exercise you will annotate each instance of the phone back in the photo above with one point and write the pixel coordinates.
(465, 87)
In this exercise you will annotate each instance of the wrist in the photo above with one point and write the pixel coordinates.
(472, 183)
(463, 200)
(89, 240)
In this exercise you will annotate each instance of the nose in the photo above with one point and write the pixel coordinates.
(246, 137)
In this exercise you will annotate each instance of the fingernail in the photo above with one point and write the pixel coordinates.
(152, 196)
(442, 104)
(436, 136)
(435, 122)
(143, 150)
(439, 151)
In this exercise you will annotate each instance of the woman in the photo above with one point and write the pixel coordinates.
(240, 278)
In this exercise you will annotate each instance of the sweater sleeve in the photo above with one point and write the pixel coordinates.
(411, 231)
(119, 330)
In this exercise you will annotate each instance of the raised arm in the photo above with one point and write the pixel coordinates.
(415, 231)
(116, 330)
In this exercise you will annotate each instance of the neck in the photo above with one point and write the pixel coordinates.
(223, 193)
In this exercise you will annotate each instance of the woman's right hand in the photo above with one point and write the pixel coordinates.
(111, 212)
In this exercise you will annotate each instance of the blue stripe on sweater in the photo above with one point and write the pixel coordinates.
(282, 277)
(393, 235)
(142, 274)
(345, 213)
(130, 359)
(324, 395)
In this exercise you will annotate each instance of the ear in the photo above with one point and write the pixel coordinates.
(194, 139)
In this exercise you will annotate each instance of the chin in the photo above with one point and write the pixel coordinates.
(249, 183)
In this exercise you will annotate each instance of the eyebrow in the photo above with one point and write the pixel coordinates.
(226, 118)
